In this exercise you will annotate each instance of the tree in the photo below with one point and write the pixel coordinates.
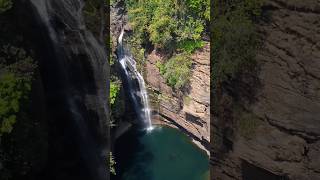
(12, 91)
(16, 72)
(177, 71)
(5, 5)
(165, 23)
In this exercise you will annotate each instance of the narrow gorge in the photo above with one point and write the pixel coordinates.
(186, 109)
(155, 121)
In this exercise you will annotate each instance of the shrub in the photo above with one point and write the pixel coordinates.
(17, 70)
(235, 39)
(161, 31)
(166, 22)
(177, 71)
(5, 5)
(161, 67)
(190, 46)
(12, 91)
(114, 90)
(112, 164)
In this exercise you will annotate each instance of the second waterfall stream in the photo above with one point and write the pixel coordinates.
(138, 94)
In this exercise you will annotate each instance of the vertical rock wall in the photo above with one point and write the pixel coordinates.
(285, 143)
(187, 110)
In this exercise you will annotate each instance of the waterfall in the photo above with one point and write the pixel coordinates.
(75, 72)
(128, 64)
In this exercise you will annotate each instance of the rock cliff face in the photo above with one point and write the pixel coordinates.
(285, 143)
(189, 110)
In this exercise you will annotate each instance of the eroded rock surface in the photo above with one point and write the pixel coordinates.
(189, 111)
(287, 105)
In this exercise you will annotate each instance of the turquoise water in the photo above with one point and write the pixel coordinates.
(162, 154)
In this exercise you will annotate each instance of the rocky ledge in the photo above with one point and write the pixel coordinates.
(186, 110)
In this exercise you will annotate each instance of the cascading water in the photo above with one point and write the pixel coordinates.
(128, 64)
(74, 69)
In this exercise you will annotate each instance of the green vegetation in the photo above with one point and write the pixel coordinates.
(115, 101)
(114, 90)
(172, 27)
(112, 2)
(235, 42)
(137, 51)
(21, 132)
(176, 70)
(166, 23)
(190, 46)
(11, 93)
(5, 5)
(15, 84)
(112, 163)
(235, 38)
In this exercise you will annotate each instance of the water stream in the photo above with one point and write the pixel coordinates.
(138, 94)
(74, 72)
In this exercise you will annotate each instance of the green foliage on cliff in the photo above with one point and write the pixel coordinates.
(173, 27)
(114, 90)
(234, 46)
(23, 131)
(234, 37)
(112, 164)
(10, 95)
(116, 101)
(16, 70)
(190, 46)
(137, 51)
(165, 23)
(235, 43)
(176, 70)
(5, 5)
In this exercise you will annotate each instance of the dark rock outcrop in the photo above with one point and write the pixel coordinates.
(74, 70)
(285, 143)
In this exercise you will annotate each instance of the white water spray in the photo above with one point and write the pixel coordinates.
(128, 64)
